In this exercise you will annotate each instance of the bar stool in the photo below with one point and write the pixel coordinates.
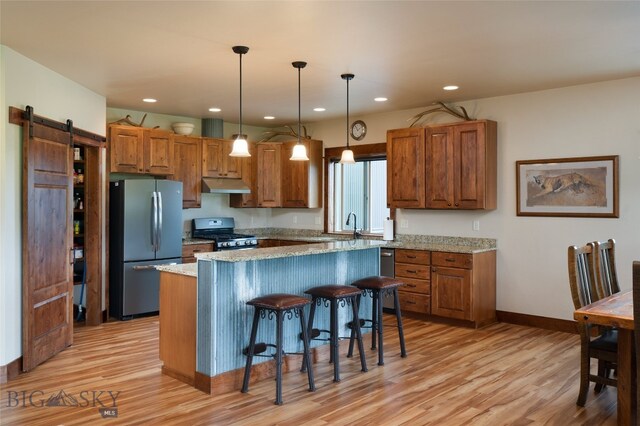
(336, 294)
(278, 304)
(379, 287)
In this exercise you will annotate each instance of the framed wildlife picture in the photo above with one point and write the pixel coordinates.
(574, 187)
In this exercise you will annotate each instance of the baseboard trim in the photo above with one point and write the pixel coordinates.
(11, 370)
(232, 380)
(553, 324)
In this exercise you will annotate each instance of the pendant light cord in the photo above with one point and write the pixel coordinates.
(299, 125)
(348, 112)
(240, 126)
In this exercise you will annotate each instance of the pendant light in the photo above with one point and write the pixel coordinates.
(240, 146)
(347, 154)
(299, 150)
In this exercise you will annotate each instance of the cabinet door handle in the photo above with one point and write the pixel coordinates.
(411, 257)
(197, 251)
(411, 285)
(448, 259)
(456, 204)
(449, 204)
(433, 270)
(411, 303)
(386, 255)
(411, 272)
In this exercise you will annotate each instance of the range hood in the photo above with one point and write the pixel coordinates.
(224, 186)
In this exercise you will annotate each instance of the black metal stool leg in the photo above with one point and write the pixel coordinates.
(378, 296)
(396, 304)
(350, 353)
(374, 317)
(252, 345)
(279, 331)
(358, 333)
(312, 312)
(306, 356)
(335, 341)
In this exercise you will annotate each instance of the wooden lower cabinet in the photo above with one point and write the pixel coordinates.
(189, 251)
(463, 286)
(279, 243)
(178, 295)
(460, 286)
(412, 266)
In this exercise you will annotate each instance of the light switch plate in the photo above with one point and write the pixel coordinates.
(476, 225)
(404, 223)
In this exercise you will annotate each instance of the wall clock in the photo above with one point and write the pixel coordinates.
(358, 130)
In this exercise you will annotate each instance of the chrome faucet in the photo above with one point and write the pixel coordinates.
(356, 234)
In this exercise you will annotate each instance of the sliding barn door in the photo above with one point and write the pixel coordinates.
(47, 273)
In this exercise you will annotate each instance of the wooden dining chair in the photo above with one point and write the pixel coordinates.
(605, 263)
(636, 323)
(603, 346)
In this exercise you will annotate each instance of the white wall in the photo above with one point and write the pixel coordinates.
(586, 120)
(24, 82)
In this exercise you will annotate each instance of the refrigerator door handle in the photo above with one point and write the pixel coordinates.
(159, 239)
(154, 221)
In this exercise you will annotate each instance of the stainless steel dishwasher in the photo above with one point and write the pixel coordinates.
(387, 269)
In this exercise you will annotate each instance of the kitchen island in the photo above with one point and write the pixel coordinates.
(227, 280)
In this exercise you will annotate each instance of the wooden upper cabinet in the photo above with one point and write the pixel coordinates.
(439, 182)
(158, 151)
(302, 180)
(248, 166)
(188, 168)
(461, 166)
(269, 163)
(216, 161)
(126, 149)
(450, 166)
(141, 151)
(406, 168)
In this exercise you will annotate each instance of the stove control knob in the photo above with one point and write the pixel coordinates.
(254, 242)
(223, 244)
(231, 243)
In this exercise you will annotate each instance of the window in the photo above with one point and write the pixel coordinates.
(360, 188)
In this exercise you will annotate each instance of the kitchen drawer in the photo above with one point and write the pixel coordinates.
(416, 286)
(404, 270)
(188, 250)
(420, 257)
(453, 260)
(412, 302)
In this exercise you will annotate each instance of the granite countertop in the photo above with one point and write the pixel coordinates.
(289, 251)
(190, 269)
(191, 241)
(402, 241)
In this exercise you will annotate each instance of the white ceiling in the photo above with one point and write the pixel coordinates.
(179, 52)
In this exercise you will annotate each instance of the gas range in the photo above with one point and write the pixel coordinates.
(220, 230)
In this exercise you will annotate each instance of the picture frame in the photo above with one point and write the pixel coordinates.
(568, 187)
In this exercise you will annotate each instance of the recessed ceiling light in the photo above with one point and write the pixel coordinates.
(269, 117)
(380, 99)
(149, 100)
(319, 109)
(215, 109)
(450, 87)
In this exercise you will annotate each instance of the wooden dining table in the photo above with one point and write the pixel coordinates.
(617, 311)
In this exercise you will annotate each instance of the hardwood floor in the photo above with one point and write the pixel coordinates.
(498, 375)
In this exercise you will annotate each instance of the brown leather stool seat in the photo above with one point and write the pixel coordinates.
(336, 294)
(278, 304)
(379, 287)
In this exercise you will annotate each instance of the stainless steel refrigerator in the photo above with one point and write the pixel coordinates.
(145, 230)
